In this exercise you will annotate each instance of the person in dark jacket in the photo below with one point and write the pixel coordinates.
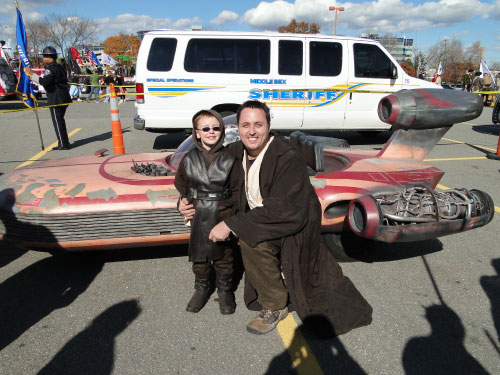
(55, 83)
(278, 224)
(206, 178)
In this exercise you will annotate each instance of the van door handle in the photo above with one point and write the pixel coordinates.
(350, 96)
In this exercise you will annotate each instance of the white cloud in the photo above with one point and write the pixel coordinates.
(226, 16)
(269, 15)
(375, 16)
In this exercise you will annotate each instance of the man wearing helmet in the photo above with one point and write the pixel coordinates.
(55, 83)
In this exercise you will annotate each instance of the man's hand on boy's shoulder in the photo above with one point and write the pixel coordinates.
(186, 209)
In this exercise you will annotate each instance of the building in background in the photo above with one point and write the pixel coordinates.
(400, 48)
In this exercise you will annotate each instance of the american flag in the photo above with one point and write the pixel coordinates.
(91, 57)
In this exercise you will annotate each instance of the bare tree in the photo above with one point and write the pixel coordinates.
(38, 35)
(446, 51)
(475, 53)
(65, 32)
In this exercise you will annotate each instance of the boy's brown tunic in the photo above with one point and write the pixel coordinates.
(291, 211)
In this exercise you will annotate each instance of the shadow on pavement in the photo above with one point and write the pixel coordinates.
(169, 141)
(92, 351)
(354, 248)
(491, 286)
(443, 351)
(49, 284)
(329, 354)
(487, 129)
(96, 138)
(9, 253)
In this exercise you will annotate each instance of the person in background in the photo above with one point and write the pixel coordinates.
(74, 89)
(477, 82)
(468, 80)
(121, 91)
(55, 83)
(94, 84)
(110, 78)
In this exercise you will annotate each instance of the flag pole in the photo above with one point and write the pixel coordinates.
(38, 122)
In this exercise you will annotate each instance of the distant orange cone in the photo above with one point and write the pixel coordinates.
(116, 125)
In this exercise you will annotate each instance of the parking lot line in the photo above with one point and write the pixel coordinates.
(47, 149)
(303, 359)
(455, 141)
(448, 159)
(442, 187)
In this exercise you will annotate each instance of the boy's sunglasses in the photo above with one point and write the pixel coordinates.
(206, 129)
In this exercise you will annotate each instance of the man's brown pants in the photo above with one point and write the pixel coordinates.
(263, 269)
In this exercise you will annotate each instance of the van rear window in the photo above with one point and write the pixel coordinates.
(161, 54)
(240, 56)
(325, 59)
(371, 61)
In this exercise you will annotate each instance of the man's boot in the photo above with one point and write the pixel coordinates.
(201, 294)
(225, 292)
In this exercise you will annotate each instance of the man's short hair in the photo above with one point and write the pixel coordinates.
(254, 104)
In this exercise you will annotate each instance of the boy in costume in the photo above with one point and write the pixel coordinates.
(206, 178)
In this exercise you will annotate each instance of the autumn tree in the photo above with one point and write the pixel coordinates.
(299, 28)
(409, 68)
(455, 71)
(122, 45)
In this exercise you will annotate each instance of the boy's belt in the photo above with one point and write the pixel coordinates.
(208, 195)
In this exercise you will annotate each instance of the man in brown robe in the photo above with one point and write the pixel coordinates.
(279, 228)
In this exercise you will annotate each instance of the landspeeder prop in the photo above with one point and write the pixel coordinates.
(122, 201)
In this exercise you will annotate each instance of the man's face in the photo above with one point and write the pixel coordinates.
(254, 130)
(47, 60)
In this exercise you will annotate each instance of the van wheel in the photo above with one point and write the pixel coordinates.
(226, 113)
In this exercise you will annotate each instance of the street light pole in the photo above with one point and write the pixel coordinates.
(336, 9)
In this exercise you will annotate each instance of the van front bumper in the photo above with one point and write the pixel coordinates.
(139, 123)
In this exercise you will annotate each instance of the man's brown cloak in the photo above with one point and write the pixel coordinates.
(318, 290)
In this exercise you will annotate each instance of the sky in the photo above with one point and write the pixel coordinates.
(425, 21)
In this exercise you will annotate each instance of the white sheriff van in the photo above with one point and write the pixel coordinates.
(297, 75)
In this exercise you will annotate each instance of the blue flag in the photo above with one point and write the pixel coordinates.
(24, 86)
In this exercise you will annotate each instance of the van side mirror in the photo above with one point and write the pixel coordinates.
(394, 71)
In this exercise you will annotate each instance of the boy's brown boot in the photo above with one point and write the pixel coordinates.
(201, 294)
(225, 292)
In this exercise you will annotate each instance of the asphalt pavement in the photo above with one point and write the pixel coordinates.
(436, 303)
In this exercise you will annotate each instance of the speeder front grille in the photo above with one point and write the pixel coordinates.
(91, 226)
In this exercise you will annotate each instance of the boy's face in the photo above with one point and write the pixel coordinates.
(208, 131)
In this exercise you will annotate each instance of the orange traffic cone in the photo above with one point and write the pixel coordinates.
(116, 125)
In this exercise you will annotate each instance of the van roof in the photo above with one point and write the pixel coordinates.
(247, 34)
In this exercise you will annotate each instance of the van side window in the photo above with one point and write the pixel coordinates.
(240, 56)
(325, 59)
(290, 57)
(371, 61)
(161, 54)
